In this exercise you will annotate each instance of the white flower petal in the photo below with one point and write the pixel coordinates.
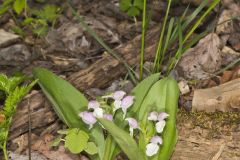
(117, 105)
(118, 95)
(156, 140)
(162, 116)
(93, 104)
(160, 126)
(151, 149)
(153, 116)
(98, 112)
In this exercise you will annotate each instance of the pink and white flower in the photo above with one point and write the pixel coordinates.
(93, 104)
(88, 118)
(154, 145)
(133, 124)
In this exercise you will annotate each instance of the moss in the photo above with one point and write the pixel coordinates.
(217, 122)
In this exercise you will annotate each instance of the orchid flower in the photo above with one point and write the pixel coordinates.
(153, 147)
(118, 95)
(160, 126)
(88, 118)
(126, 103)
(98, 112)
(93, 105)
(117, 105)
(153, 116)
(160, 119)
(108, 117)
(162, 116)
(133, 124)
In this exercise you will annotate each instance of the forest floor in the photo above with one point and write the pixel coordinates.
(210, 131)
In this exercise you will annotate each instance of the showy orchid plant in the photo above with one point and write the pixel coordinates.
(105, 110)
(142, 124)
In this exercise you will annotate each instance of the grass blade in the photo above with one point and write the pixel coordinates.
(160, 43)
(143, 38)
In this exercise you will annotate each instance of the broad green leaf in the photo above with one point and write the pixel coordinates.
(67, 101)
(133, 11)
(19, 5)
(170, 132)
(154, 100)
(141, 90)
(138, 4)
(110, 145)
(163, 96)
(170, 97)
(76, 140)
(125, 4)
(91, 148)
(98, 137)
(124, 140)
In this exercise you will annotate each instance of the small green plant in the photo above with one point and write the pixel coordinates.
(72, 137)
(131, 7)
(173, 31)
(37, 20)
(136, 124)
(17, 5)
(13, 93)
(44, 17)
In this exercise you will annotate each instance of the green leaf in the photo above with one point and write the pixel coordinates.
(56, 141)
(133, 11)
(138, 4)
(125, 4)
(18, 30)
(40, 30)
(98, 137)
(154, 100)
(67, 101)
(170, 131)
(163, 96)
(63, 131)
(141, 90)
(48, 13)
(110, 146)
(124, 140)
(19, 5)
(91, 148)
(27, 21)
(4, 9)
(76, 140)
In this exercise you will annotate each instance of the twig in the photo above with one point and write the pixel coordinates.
(218, 154)
(29, 130)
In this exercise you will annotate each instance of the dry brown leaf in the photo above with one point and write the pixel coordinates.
(203, 60)
(43, 146)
